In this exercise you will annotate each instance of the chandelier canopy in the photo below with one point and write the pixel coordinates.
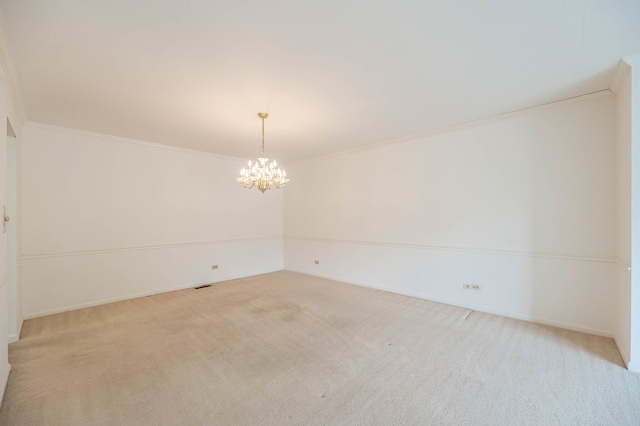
(262, 175)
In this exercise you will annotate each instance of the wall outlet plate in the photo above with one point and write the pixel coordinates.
(467, 286)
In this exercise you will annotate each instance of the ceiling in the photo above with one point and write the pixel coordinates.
(333, 74)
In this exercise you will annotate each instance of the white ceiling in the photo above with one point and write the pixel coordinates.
(333, 74)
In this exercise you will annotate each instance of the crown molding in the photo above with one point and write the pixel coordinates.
(6, 59)
(457, 127)
(622, 70)
(133, 141)
(632, 60)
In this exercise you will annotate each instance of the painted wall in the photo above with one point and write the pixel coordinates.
(634, 102)
(105, 219)
(623, 221)
(522, 204)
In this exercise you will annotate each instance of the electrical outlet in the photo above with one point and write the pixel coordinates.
(317, 262)
(467, 286)
(214, 266)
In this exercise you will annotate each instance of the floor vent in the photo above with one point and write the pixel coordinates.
(202, 286)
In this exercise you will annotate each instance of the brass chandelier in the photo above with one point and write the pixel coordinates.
(261, 175)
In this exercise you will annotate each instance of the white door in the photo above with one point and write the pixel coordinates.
(14, 292)
(4, 358)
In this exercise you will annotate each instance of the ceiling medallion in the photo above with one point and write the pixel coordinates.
(261, 175)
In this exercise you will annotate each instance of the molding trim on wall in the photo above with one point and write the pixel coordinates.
(622, 70)
(155, 247)
(632, 60)
(465, 305)
(133, 141)
(580, 258)
(16, 336)
(623, 261)
(622, 350)
(5, 381)
(475, 123)
(624, 67)
(12, 80)
(633, 366)
(137, 295)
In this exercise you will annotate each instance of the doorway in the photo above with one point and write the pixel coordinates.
(10, 229)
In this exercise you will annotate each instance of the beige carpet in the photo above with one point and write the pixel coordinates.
(286, 348)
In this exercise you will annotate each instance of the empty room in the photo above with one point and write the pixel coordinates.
(328, 213)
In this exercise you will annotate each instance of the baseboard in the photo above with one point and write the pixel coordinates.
(136, 295)
(622, 351)
(5, 381)
(456, 303)
(12, 338)
(633, 366)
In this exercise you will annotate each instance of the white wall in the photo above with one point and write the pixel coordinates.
(634, 140)
(523, 205)
(623, 221)
(105, 219)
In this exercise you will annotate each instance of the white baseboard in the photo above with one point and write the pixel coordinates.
(5, 381)
(467, 306)
(622, 350)
(633, 366)
(14, 337)
(134, 296)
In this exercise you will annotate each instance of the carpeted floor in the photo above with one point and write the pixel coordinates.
(286, 348)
